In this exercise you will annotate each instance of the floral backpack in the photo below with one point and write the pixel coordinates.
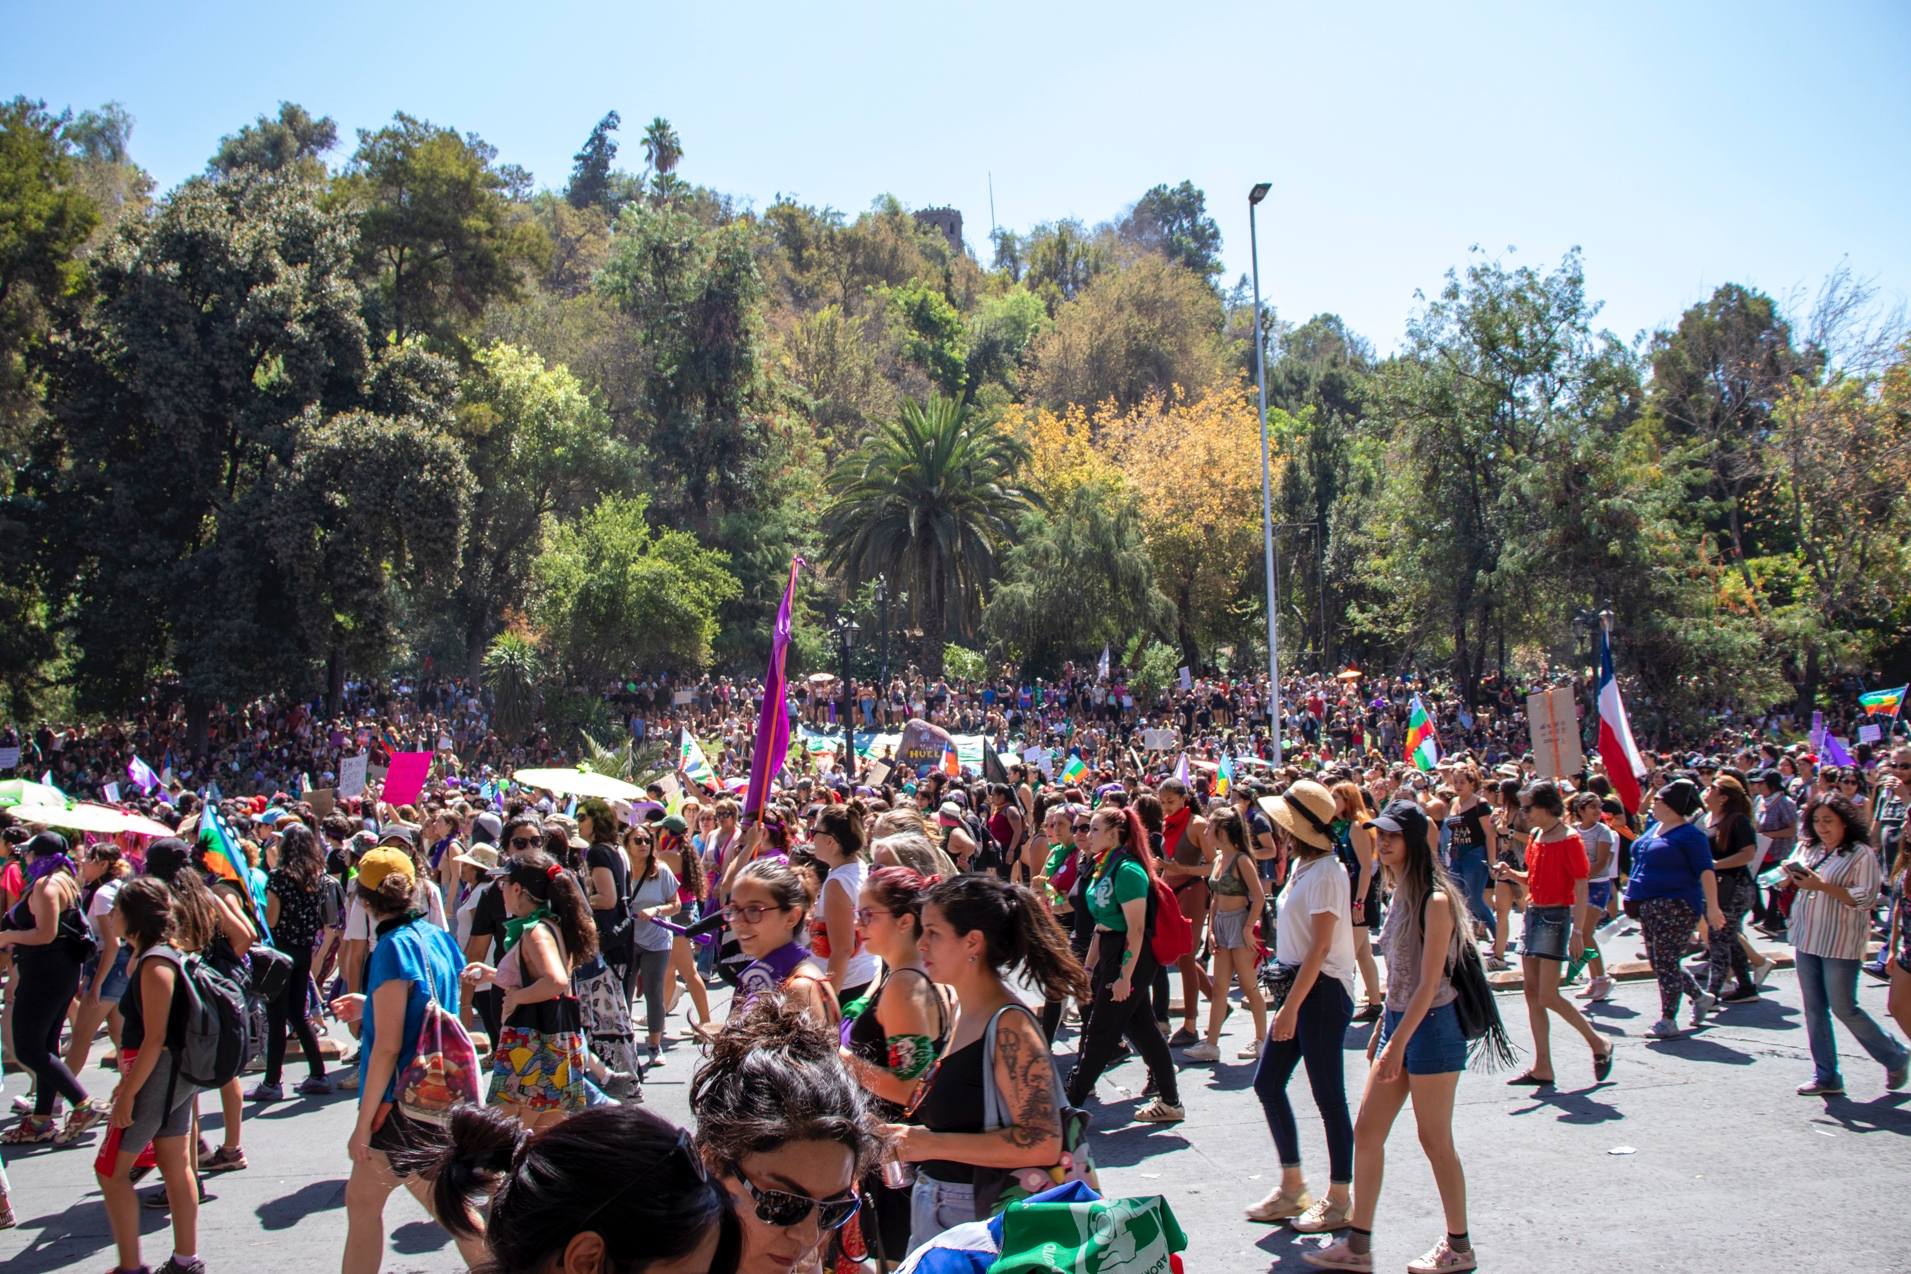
(443, 1073)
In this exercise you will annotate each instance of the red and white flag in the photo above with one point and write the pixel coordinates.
(1616, 748)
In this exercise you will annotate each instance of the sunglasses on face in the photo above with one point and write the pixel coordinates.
(523, 842)
(750, 913)
(783, 1209)
(1079, 828)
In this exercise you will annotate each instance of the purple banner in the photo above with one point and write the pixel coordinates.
(773, 723)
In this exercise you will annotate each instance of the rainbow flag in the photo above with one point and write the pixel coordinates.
(691, 760)
(224, 858)
(1074, 770)
(1887, 701)
(1422, 748)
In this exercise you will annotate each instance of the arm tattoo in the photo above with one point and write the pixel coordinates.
(1033, 1074)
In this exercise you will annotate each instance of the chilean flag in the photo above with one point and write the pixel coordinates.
(1616, 748)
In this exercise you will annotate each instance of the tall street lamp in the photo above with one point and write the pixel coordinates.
(882, 623)
(846, 629)
(1254, 198)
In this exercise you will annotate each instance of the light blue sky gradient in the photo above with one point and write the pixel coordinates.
(1682, 145)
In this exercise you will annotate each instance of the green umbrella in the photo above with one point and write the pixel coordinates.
(27, 792)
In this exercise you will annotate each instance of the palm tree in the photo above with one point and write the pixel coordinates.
(513, 668)
(662, 147)
(929, 500)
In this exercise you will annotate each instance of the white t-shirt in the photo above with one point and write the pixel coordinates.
(1317, 893)
(101, 907)
(360, 926)
(862, 966)
(1596, 837)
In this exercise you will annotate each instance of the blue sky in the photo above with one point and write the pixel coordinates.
(1680, 145)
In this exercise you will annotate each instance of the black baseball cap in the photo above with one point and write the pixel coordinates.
(1404, 817)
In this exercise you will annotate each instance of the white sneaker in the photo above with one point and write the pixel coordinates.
(1202, 1052)
(1252, 1050)
(1665, 1029)
(1702, 1003)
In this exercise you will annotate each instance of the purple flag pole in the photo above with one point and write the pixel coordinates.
(773, 723)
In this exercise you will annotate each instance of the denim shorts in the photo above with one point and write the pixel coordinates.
(1436, 1046)
(1598, 894)
(1544, 935)
(935, 1206)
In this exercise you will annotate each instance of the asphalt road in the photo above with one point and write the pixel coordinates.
(1727, 1168)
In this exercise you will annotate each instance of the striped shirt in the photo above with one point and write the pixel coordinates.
(1822, 925)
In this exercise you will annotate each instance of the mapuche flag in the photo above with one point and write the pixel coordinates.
(1422, 748)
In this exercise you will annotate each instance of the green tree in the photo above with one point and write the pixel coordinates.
(1062, 259)
(439, 227)
(929, 500)
(1174, 222)
(293, 140)
(1133, 334)
(541, 452)
(613, 596)
(694, 297)
(662, 147)
(1077, 581)
(513, 669)
(105, 171)
(998, 338)
(933, 337)
(591, 168)
(201, 467)
(43, 223)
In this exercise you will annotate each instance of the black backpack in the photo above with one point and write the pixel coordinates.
(215, 1041)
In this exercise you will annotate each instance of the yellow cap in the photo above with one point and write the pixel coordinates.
(382, 862)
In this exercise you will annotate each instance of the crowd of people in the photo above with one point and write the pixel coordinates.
(907, 953)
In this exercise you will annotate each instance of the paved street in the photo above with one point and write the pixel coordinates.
(1729, 1169)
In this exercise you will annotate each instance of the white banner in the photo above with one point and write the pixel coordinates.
(1866, 734)
(1160, 740)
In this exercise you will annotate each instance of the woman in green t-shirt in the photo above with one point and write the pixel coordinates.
(1121, 961)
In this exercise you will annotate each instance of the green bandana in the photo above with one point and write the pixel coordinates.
(514, 929)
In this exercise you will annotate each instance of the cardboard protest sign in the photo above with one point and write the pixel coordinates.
(1553, 720)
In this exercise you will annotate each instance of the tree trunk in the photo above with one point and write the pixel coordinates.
(198, 722)
(1808, 685)
(1184, 631)
(335, 683)
(475, 637)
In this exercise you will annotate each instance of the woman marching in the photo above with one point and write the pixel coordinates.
(899, 1033)
(1672, 884)
(1354, 844)
(1315, 941)
(768, 909)
(538, 1065)
(1735, 853)
(1238, 901)
(104, 979)
(49, 943)
(295, 894)
(686, 863)
(653, 897)
(1123, 964)
(1556, 882)
(1419, 1050)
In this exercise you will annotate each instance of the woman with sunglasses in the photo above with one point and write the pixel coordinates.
(785, 1128)
(537, 1067)
(976, 932)
(616, 1190)
(768, 910)
(900, 1031)
(522, 834)
(653, 897)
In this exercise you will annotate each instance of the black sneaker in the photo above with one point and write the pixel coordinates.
(1876, 968)
(1746, 994)
(1183, 1038)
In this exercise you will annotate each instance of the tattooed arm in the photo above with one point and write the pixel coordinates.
(1025, 1076)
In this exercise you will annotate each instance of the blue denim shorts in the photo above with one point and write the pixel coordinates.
(116, 980)
(1436, 1046)
(1598, 894)
(1544, 935)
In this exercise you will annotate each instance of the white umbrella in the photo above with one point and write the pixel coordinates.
(102, 820)
(579, 783)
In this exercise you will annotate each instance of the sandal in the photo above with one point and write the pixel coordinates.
(30, 1131)
(1528, 1080)
(80, 1121)
(1602, 1065)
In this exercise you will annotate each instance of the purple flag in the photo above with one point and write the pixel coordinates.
(142, 776)
(1834, 752)
(773, 723)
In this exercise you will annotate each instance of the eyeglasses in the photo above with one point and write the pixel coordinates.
(783, 1209)
(750, 912)
(523, 842)
(865, 914)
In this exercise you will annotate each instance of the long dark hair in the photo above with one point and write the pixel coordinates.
(146, 911)
(1418, 879)
(618, 1172)
(195, 910)
(299, 856)
(548, 881)
(1857, 826)
(773, 1077)
(1019, 931)
(846, 824)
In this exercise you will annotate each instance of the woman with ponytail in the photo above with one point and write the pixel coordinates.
(1123, 964)
(538, 1064)
(976, 931)
(839, 843)
(616, 1190)
(785, 1129)
(891, 1039)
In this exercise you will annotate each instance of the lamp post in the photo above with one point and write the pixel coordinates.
(846, 634)
(1254, 198)
(882, 623)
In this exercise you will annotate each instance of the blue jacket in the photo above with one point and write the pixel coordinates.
(1669, 865)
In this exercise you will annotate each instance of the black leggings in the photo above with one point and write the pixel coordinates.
(1110, 1019)
(45, 981)
(289, 1009)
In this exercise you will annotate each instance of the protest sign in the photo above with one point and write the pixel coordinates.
(9, 758)
(1160, 740)
(1553, 720)
(405, 780)
(351, 775)
(321, 801)
(1870, 733)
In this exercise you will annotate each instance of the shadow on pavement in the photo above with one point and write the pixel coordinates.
(1885, 1114)
(288, 1210)
(414, 1237)
(1694, 1048)
(1574, 1107)
(78, 1232)
(1125, 1147)
(1286, 1245)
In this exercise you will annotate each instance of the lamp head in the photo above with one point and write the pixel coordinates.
(1259, 192)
